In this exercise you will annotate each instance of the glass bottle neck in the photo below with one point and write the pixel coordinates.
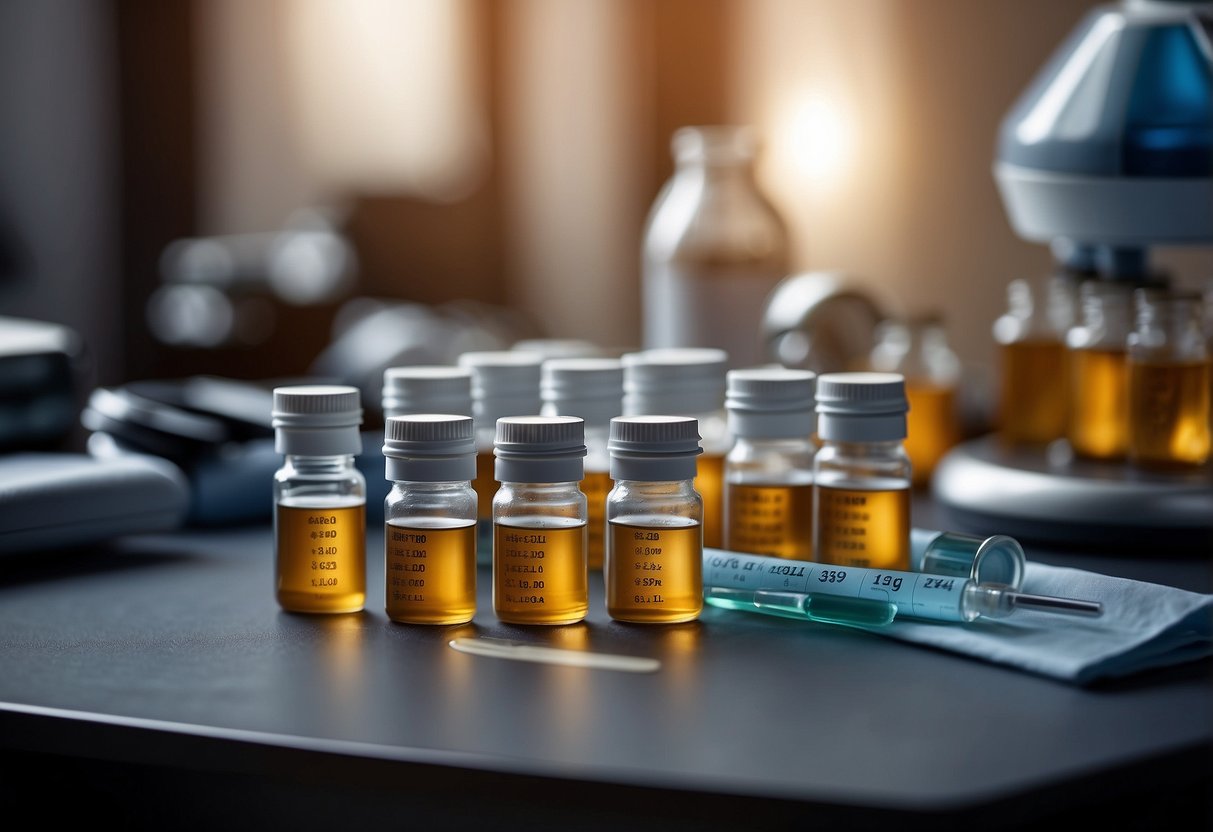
(320, 464)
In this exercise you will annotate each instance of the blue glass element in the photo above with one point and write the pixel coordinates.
(1169, 124)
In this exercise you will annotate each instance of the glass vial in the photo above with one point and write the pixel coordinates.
(1033, 381)
(540, 570)
(426, 389)
(1169, 382)
(918, 349)
(654, 563)
(1098, 419)
(714, 247)
(591, 389)
(768, 492)
(504, 383)
(861, 499)
(429, 534)
(319, 500)
(687, 382)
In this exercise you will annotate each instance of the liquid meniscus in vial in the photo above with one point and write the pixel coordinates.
(1033, 397)
(859, 527)
(596, 486)
(430, 570)
(709, 482)
(1169, 413)
(321, 555)
(1099, 403)
(655, 571)
(540, 572)
(770, 520)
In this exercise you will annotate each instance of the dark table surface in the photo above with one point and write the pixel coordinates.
(160, 676)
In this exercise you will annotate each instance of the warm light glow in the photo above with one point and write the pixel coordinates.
(815, 136)
(385, 95)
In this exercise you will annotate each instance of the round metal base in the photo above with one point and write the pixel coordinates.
(1046, 494)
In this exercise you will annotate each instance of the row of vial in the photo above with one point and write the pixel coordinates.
(1121, 371)
(575, 488)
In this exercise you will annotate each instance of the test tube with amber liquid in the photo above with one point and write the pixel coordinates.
(862, 474)
(1169, 382)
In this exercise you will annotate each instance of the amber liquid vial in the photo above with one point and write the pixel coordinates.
(1033, 394)
(709, 482)
(771, 520)
(540, 573)
(932, 427)
(430, 571)
(321, 557)
(596, 486)
(1169, 413)
(1099, 403)
(864, 528)
(656, 573)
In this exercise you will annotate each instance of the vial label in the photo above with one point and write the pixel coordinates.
(1099, 405)
(596, 486)
(770, 520)
(655, 571)
(321, 556)
(709, 482)
(863, 528)
(1032, 401)
(430, 571)
(540, 572)
(1169, 413)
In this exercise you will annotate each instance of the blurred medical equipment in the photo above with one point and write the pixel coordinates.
(1107, 153)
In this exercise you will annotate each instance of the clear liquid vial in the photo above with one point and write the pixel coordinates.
(540, 565)
(319, 500)
(429, 535)
(768, 492)
(1169, 381)
(591, 389)
(687, 382)
(654, 563)
(862, 474)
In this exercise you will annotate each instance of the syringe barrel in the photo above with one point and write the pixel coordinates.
(915, 594)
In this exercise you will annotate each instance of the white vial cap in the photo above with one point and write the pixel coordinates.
(591, 388)
(427, 389)
(429, 447)
(504, 383)
(679, 381)
(654, 448)
(317, 420)
(772, 403)
(540, 449)
(862, 407)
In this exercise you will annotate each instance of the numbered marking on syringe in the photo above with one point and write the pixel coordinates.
(748, 572)
(938, 598)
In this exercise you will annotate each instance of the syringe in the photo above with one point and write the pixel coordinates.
(864, 597)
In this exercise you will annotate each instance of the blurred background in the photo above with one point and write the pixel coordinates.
(221, 187)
